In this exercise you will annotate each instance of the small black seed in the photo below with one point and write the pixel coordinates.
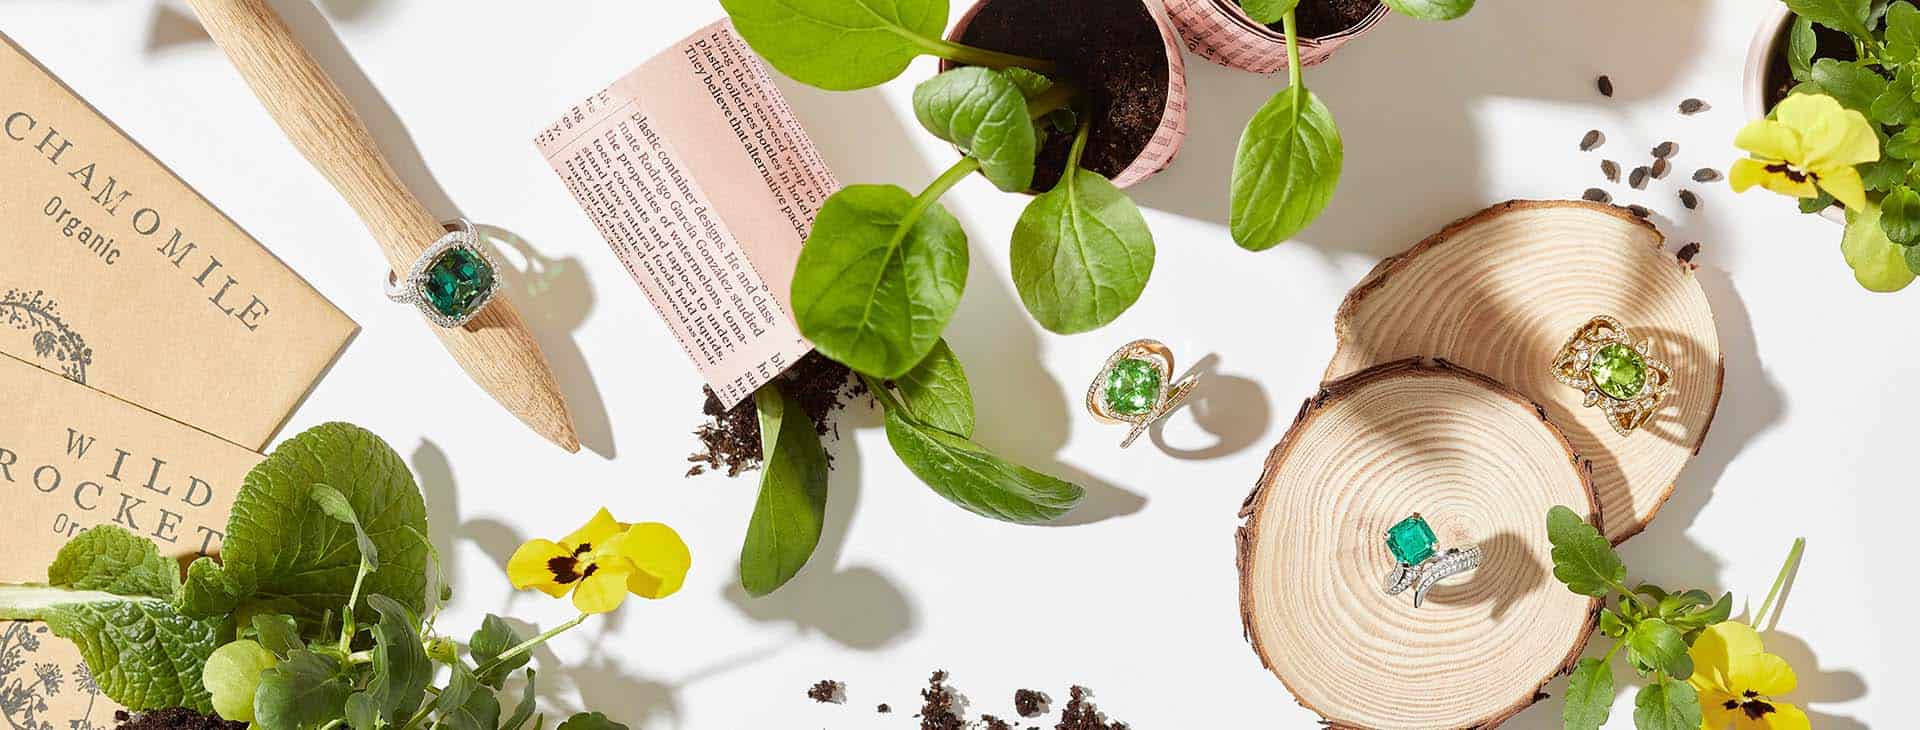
(1694, 106)
(1597, 195)
(1640, 210)
(1687, 252)
(1706, 174)
(1605, 85)
(1687, 198)
(1638, 178)
(1660, 169)
(1592, 141)
(1610, 169)
(883, 708)
(1665, 150)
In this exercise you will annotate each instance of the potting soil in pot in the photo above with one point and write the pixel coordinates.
(1322, 18)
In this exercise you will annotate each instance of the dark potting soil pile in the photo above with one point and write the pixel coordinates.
(1322, 18)
(827, 690)
(730, 439)
(1112, 51)
(175, 718)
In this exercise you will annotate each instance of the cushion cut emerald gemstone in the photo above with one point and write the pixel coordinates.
(1133, 387)
(456, 282)
(1618, 371)
(1411, 540)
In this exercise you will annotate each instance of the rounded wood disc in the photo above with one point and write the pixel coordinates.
(1482, 466)
(1501, 291)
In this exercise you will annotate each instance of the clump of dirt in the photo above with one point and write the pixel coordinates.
(730, 439)
(1081, 714)
(172, 718)
(940, 706)
(827, 690)
(1030, 703)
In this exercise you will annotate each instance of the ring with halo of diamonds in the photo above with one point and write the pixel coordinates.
(1420, 563)
(1136, 387)
(452, 280)
(1605, 361)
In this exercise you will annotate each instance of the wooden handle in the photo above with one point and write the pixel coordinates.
(496, 349)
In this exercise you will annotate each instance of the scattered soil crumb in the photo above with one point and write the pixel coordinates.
(730, 439)
(827, 690)
(940, 708)
(173, 718)
(1030, 703)
(1082, 714)
(994, 723)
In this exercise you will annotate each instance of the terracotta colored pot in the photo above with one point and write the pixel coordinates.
(1165, 143)
(1769, 41)
(1219, 31)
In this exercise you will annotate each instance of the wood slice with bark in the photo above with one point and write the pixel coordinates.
(1482, 465)
(1502, 290)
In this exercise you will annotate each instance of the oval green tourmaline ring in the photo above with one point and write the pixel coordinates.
(452, 280)
(1615, 371)
(1420, 564)
(1136, 386)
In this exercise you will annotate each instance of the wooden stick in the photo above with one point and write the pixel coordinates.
(496, 349)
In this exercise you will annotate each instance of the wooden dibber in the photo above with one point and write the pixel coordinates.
(1482, 465)
(1500, 292)
(496, 348)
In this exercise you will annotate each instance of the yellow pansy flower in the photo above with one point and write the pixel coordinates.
(1811, 144)
(1737, 681)
(602, 562)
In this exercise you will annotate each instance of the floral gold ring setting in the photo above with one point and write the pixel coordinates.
(452, 280)
(1420, 564)
(1616, 372)
(1136, 387)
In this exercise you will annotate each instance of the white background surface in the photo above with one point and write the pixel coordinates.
(1814, 436)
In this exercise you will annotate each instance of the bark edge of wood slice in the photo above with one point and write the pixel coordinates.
(1483, 465)
(1501, 290)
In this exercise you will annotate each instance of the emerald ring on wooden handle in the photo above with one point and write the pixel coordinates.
(1421, 565)
(1616, 371)
(452, 280)
(1136, 387)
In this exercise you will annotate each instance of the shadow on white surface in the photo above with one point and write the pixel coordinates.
(1234, 409)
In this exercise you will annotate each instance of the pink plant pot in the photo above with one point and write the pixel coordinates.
(1164, 145)
(1769, 41)
(1219, 31)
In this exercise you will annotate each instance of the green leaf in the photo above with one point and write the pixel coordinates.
(1903, 33)
(1904, 144)
(1896, 104)
(840, 44)
(1855, 86)
(108, 593)
(936, 392)
(1582, 557)
(792, 507)
(1081, 254)
(976, 480)
(1431, 9)
(334, 504)
(1846, 16)
(467, 704)
(1816, 204)
(1667, 704)
(879, 278)
(984, 113)
(1883, 175)
(1589, 696)
(1801, 45)
(1878, 263)
(1032, 83)
(277, 633)
(283, 553)
(523, 711)
(1611, 625)
(1655, 645)
(494, 638)
(1286, 169)
(232, 675)
(305, 692)
(1676, 605)
(401, 669)
(1268, 11)
(1912, 256)
(590, 721)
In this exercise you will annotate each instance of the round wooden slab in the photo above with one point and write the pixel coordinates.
(1482, 465)
(1501, 291)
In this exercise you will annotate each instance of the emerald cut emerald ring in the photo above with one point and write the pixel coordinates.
(452, 280)
(1616, 371)
(1136, 387)
(1419, 562)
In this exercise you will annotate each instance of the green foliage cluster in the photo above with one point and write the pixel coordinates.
(883, 269)
(329, 529)
(1290, 155)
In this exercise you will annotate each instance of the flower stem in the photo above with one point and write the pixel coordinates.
(1291, 29)
(528, 645)
(972, 56)
(347, 629)
(1793, 559)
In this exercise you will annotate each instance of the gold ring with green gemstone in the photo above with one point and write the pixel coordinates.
(452, 280)
(1136, 387)
(1420, 564)
(1616, 372)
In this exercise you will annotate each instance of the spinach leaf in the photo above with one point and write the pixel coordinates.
(1268, 12)
(1589, 696)
(1082, 252)
(840, 44)
(880, 276)
(1666, 704)
(792, 506)
(283, 553)
(975, 479)
(936, 392)
(1582, 557)
(1431, 9)
(1878, 263)
(1286, 169)
(305, 692)
(1802, 43)
(984, 113)
(1846, 16)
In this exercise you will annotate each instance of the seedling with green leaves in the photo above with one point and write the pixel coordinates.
(883, 269)
(1290, 155)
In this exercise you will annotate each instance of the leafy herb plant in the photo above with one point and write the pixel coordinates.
(883, 268)
(317, 617)
(1290, 155)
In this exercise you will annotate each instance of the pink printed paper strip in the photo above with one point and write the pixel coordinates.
(1219, 31)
